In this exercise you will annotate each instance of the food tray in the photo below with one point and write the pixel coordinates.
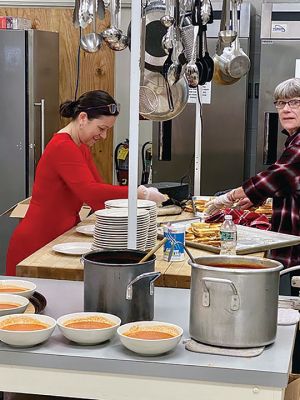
(249, 240)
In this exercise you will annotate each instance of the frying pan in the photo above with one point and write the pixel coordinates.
(155, 56)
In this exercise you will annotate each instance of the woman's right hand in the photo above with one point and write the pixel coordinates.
(150, 193)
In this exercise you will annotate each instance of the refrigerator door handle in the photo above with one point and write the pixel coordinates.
(42, 105)
(270, 138)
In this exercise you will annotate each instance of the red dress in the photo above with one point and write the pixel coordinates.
(66, 177)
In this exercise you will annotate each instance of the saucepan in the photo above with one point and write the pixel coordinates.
(234, 300)
(231, 63)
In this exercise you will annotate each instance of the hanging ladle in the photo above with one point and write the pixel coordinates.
(114, 37)
(92, 41)
(112, 34)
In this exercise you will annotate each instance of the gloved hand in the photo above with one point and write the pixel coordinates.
(244, 203)
(150, 193)
(223, 201)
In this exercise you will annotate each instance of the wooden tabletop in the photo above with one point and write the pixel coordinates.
(46, 263)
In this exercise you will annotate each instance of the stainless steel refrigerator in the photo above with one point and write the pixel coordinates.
(29, 71)
(223, 141)
(280, 60)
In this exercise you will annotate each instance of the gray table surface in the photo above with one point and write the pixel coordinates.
(270, 369)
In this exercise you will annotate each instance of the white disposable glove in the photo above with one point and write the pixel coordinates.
(150, 193)
(223, 201)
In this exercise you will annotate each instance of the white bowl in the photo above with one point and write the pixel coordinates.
(26, 338)
(88, 336)
(146, 346)
(13, 299)
(29, 286)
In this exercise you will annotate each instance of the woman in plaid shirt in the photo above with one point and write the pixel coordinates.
(281, 181)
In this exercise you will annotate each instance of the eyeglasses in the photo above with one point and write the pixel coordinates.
(293, 104)
(113, 108)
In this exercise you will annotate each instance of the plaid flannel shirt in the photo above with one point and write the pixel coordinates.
(281, 181)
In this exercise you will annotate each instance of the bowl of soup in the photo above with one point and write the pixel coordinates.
(17, 286)
(150, 337)
(88, 328)
(26, 330)
(12, 304)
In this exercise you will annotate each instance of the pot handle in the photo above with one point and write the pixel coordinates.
(235, 300)
(291, 269)
(153, 275)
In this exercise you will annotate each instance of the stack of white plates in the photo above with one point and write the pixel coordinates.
(111, 229)
(141, 204)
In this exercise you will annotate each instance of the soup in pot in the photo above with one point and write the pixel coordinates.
(238, 266)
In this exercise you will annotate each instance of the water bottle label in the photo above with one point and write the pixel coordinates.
(227, 236)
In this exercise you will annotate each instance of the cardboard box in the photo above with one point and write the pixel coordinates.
(292, 391)
(21, 208)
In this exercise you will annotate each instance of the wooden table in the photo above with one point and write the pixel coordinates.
(46, 263)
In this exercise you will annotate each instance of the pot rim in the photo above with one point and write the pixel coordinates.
(106, 264)
(277, 266)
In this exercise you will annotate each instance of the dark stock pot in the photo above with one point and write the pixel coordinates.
(115, 283)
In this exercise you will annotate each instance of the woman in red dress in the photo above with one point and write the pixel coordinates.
(66, 177)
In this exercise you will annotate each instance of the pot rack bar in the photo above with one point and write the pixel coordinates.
(198, 145)
(134, 121)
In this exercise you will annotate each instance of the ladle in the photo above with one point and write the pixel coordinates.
(92, 41)
(112, 34)
(166, 42)
(227, 37)
(117, 41)
(191, 70)
(174, 71)
(168, 19)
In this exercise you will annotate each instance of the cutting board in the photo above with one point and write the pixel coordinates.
(249, 240)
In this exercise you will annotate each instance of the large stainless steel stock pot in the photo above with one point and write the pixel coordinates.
(234, 300)
(115, 283)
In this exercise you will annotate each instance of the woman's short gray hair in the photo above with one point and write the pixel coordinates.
(287, 89)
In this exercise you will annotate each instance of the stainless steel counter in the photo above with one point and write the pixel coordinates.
(270, 369)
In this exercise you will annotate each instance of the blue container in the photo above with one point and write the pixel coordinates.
(177, 232)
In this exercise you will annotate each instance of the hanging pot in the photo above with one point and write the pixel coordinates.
(234, 300)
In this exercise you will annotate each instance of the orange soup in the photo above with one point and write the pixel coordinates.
(6, 306)
(12, 289)
(25, 326)
(82, 324)
(149, 335)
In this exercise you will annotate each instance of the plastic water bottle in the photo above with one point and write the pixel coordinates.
(228, 236)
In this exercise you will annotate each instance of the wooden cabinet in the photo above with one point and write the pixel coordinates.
(96, 70)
